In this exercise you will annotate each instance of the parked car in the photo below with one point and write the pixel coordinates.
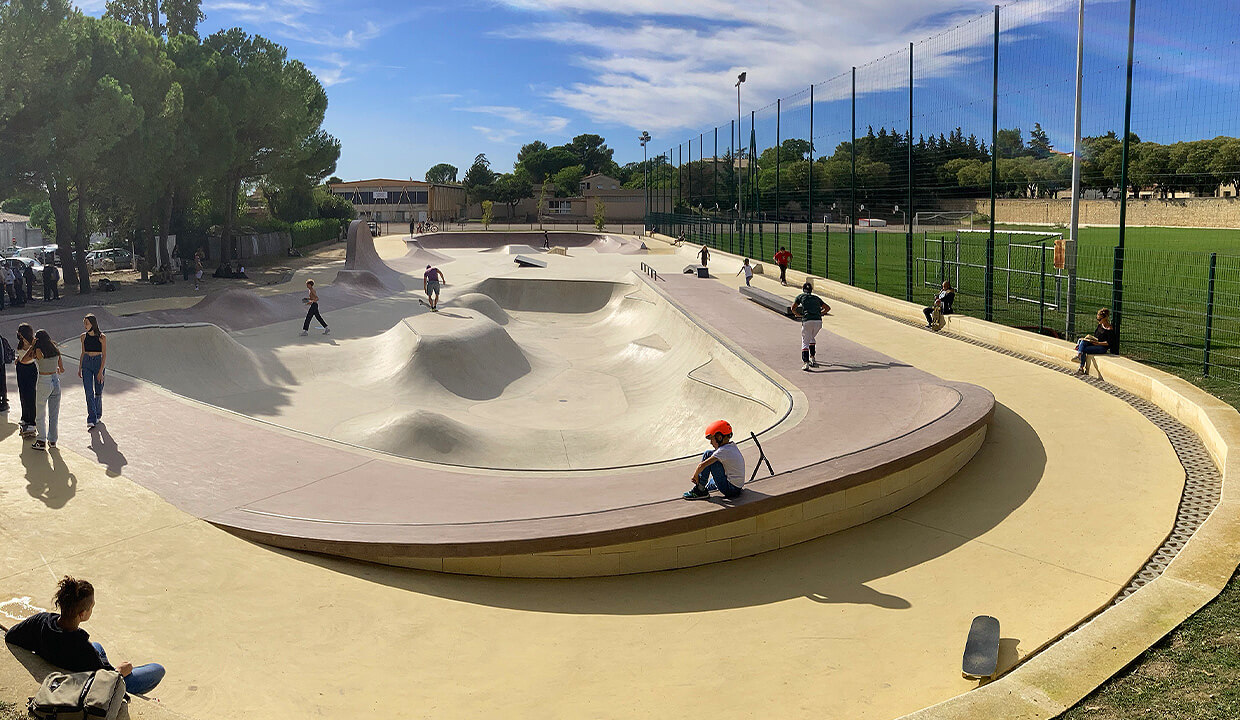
(374, 228)
(18, 264)
(108, 259)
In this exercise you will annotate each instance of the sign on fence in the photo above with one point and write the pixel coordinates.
(1061, 253)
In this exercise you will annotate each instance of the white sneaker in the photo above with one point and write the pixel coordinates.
(304, 333)
(813, 362)
(327, 331)
(805, 367)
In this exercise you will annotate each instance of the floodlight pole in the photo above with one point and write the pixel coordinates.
(1117, 278)
(1074, 223)
(645, 138)
(739, 202)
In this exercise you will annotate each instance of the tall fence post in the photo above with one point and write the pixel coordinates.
(809, 216)
(1205, 370)
(778, 138)
(1041, 285)
(1117, 287)
(852, 213)
(908, 215)
(875, 261)
(994, 178)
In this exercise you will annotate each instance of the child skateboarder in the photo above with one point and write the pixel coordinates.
(431, 280)
(809, 308)
(721, 469)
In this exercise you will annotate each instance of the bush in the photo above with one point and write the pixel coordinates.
(311, 232)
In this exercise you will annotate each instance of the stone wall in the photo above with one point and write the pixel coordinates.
(1188, 212)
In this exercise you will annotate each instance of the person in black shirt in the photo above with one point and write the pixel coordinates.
(943, 301)
(59, 639)
(1102, 341)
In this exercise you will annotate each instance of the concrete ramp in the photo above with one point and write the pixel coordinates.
(423, 256)
(360, 254)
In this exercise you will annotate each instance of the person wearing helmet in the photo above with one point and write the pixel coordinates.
(722, 468)
(809, 308)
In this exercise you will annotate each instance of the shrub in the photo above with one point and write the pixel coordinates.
(311, 232)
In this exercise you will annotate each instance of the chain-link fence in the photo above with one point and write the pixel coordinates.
(952, 160)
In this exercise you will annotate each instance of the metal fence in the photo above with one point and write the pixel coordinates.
(951, 159)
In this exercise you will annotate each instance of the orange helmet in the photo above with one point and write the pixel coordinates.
(718, 426)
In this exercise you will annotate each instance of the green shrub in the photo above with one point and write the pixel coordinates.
(311, 232)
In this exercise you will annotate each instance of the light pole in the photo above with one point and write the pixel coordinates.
(740, 79)
(645, 138)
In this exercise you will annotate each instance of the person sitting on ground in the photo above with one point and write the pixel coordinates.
(722, 468)
(1101, 341)
(748, 270)
(240, 274)
(59, 639)
(223, 271)
(680, 239)
(942, 302)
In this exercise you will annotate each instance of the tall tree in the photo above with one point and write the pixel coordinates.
(1039, 142)
(591, 152)
(441, 173)
(161, 17)
(512, 188)
(479, 179)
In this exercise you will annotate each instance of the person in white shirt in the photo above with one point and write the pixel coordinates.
(748, 270)
(722, 468)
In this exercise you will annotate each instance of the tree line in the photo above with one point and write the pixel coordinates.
(131, 123)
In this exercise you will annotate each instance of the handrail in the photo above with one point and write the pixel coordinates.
(650, 271)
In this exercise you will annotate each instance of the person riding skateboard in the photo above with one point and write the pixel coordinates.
(722, 468)
(809, 309)
(705, 255)
(431, 280)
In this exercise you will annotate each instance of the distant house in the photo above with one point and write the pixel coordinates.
(384, 200)
(15, 231)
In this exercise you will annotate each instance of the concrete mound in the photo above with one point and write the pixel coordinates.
(234, 307)
(199, 361)
(473, 358)
(418, 434)
(424, 256)
(513, 250)
(564, 296)
(484, 305)
(618, 244)
(360, 281)
(360, 254)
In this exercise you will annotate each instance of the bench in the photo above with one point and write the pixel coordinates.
(699, 270)
(524, 261)
(768, 299)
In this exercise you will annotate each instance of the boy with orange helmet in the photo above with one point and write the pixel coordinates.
(722, 468)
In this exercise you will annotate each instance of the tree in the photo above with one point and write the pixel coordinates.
(1039, 143)
(159, 17)
(42, 218)
(479, 179)
(512, 188)
(331, 205)
(488, 212)
(591, 153)
(600, 214)
(441, 174)
(334, 180)
(568, 180)
(543, 163)
(530, 149)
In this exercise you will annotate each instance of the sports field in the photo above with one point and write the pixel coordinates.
(1168, 305)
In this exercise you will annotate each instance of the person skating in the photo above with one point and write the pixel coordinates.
(704, 253)
(546, 241)
(809, 308)
(722, 467)
(782, 258)
(312, 312)
(748, 270)
(432, 279)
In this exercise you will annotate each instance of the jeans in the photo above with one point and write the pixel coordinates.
(47, 407)
(783, 274)
(92, 368)
(313, 313)
(1085, 347)
(142, 680)
(27, 378)
(714, 478)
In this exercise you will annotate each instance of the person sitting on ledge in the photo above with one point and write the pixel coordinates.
(722, 468)
(1101, 341)
(240, 274)
(58, 639)
(942, 302)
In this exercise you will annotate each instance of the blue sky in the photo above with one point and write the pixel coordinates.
(414, 83)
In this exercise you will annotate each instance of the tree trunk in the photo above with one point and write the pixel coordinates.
(165, 222)
(232, 187)
(58, 197)
(81, 239)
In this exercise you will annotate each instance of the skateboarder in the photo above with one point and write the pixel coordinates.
(782, 258)
(722, 468)
(809, 308)
(312, 312)
(748, 270)
(705, 255)
(546, 241)
(431, 280)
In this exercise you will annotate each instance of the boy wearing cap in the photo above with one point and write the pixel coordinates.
(722, 468)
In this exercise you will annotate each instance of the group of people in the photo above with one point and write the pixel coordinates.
(39, 367)
(19, 284)
(226, 270)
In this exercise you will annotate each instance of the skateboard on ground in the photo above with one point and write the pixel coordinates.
(981, 650)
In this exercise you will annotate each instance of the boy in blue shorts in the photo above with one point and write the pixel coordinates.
(722, 468)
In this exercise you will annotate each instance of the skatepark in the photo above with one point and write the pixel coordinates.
(504, 476)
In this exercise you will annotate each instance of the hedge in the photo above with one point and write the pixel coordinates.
(311, 232)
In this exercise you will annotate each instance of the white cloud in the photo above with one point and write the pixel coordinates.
(332, 71)
(520, 121)
(299, 20)
(663, 66)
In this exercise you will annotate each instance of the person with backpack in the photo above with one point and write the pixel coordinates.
(809, 308)
(7, 357)
(59, 638)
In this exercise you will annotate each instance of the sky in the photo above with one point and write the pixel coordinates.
(412, 83)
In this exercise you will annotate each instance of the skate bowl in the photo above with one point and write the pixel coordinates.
(500, 241)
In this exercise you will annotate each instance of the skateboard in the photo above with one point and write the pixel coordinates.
(981, 650)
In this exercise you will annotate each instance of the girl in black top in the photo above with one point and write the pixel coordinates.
(1103, 341)
(27, 378)
(90, 369)
(59, 639)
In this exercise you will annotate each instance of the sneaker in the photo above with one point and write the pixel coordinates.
(327, 331)
(51, 444)
(90, 426)
(813, 362)
(805, 367)
(696, 493)
(38, 445)
(304, 333)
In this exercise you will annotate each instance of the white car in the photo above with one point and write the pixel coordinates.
(19, 264)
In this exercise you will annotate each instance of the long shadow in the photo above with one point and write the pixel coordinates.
(829, 367)
(106, 450)
(838, 569)
(48, 477)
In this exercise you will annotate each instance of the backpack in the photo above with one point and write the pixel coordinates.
(79, 696)
(7, 356)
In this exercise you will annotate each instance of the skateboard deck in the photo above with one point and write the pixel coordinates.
(981, 650)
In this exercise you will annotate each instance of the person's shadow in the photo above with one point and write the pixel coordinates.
(106, 450)
(48, 477)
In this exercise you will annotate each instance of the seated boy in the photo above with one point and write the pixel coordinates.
(722, 468)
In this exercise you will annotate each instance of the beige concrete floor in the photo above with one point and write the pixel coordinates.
(868, 623)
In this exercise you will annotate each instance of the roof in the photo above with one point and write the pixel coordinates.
(378, 183)
(13, 217)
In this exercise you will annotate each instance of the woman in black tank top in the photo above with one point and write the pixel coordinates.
(90, 369)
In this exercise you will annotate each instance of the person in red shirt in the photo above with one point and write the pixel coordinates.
(782, 258)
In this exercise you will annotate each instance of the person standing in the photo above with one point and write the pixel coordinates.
(7, 355)
(19, 288)
(782, 258)
(704, 253)
(47, 282)
(47, 361)
(9, 281)
(55, 281)
(810, 309)
(431, 281)
(197, 269)
(27, 378)
(312, 312)
(29, 277)
(546, 240)
(90, 369)
(748, 270)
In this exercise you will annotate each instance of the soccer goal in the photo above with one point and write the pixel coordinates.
(938, 220)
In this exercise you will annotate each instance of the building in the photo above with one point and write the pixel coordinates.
(15, 231)
(402, 200)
